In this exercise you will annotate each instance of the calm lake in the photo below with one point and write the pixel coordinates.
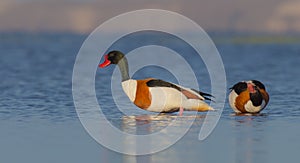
(38, 120)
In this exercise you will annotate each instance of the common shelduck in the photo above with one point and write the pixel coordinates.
(154, 94)
(248, 97)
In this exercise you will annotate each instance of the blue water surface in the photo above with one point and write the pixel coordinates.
(39, 123)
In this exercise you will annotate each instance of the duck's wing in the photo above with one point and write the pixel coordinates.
(189, 93)
(205, 95)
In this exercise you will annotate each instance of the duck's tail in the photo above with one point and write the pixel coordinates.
(196, 105)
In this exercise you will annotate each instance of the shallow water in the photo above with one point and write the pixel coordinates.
(39, 122)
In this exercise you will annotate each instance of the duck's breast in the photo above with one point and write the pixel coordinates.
(138, 92)
(130, 87)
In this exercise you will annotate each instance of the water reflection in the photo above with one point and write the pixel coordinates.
(149, 124)
(146, 124)
(250, 141)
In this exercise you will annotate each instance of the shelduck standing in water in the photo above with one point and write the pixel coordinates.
(154, 94)
(248, 97)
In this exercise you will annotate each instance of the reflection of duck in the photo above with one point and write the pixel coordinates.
(248, 97)
(154, 94)
(148, 124)
(155, 121)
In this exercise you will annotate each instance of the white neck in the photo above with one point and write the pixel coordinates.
(129, 87)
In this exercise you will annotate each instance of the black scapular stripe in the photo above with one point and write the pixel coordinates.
(161, 83)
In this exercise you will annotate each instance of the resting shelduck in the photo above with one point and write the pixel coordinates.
(248, 97)
(154, 94)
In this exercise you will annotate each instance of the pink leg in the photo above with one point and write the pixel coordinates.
(180, 111)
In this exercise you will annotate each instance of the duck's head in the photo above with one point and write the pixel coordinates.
(112, 57)
(259, 84)
(254, 85)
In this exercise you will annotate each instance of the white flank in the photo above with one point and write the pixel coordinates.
(252, 109)
(166, 99)
(232, 97)
(129, 87)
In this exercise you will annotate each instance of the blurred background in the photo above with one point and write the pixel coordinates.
(82, 16)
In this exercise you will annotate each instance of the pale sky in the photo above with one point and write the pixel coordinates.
(213, 15)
